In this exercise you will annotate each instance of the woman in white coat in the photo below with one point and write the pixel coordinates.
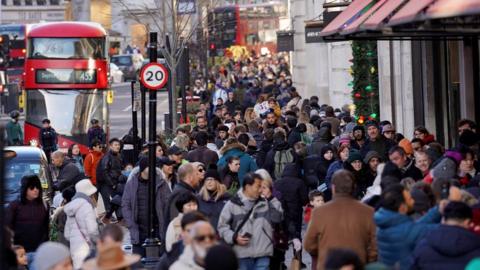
(81, 228)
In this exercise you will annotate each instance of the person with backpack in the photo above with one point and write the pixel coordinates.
(229, 175)
(280, 155)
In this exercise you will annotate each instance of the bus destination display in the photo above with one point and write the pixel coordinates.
(66, 76)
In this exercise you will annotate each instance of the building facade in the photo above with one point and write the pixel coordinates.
(31, 11)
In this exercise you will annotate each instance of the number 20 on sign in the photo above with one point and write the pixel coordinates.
(154, 76)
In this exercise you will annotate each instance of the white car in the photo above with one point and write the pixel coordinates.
(116, 75)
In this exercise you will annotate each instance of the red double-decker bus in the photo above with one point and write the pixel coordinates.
(251, 25)
(66, 80)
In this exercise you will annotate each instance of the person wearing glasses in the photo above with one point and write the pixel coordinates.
(28, 217)
(203, 237)
(92, 159)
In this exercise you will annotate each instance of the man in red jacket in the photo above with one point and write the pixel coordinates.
(92, 159)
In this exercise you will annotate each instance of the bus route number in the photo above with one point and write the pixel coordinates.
(154, 76)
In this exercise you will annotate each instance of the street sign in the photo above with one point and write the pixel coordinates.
(154, 76)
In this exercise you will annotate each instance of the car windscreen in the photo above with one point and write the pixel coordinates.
(15, 169)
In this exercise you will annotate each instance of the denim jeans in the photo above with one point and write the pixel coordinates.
(260, 263)
(30, 257)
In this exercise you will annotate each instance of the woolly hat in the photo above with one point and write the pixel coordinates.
(86, 187)
(357, 127)
(49, 254)
(371, 123)
(143, 164)
(212, 172)
(406, 145)
(371, 154)
(353, 156)
(222, 128)
(344, 138)
(221, 257)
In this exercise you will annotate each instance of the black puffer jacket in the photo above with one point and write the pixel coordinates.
(68, 175)
(294, 195)
(109, 169)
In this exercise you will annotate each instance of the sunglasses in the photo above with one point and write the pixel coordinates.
(202, 238)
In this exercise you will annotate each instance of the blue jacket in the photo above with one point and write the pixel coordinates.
(398, 234)
(447, 247)
(335, 166)
(247, 163)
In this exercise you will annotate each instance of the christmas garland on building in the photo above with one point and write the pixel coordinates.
(364, 71)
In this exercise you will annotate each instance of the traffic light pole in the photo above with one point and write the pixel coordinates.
(152, 243)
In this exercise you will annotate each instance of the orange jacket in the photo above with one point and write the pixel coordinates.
(90, 165)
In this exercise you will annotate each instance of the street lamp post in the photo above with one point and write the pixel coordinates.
(152, 243)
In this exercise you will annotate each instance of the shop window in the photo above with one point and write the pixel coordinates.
(17, 2)
(54, 2)
(28, 2)
(41, 2)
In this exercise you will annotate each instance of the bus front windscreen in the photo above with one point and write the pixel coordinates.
(67, 48)
(70, 111)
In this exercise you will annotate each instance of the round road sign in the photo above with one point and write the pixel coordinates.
(154, 76)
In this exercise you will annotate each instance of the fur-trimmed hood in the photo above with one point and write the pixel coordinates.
(228, 147)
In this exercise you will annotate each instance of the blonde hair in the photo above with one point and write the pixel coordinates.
(182, 141)
(267, 179)
(220, 190)
(248, 115)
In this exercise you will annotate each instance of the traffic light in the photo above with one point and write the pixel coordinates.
(213, 49)
(4, 50)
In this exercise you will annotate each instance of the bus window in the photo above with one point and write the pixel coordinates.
(67, 48)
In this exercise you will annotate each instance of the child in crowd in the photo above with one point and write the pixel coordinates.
(22, 260)
(316, 200)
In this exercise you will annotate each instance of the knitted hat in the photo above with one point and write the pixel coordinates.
(143, 164)
(221, 257)
(359, 128)
(371, 154)
(222, 128)
(406, 145)
(212, 172)
(86, 187)
(344, 138)
(165, 161)
(50, 254)
(353, 156)
(371, 123)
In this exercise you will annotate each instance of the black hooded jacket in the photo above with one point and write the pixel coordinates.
(29, 219)
(320, 139)
(294, 195)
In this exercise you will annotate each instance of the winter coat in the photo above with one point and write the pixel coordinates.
(335, 122)
(232, 106)
(109, 169)
(335, 166)
(324, 164)
(173, 232)
(269, 164)
(170, 209)
(398, 234)
(68, 175)
(294, 197)
(247, 163)
(130, 210)
(81, 228)
(29, 221)
(96, 133)
(341, 223)
(264, 148)
(294, 137)
(362, 183)
(446, 247)
(14, 133)
(48, 139)
(381, 145)
(186, 261)
(212, 208)
(204, 155)
(78, 161)
(259, 224)
(320, 139)
(90, 165)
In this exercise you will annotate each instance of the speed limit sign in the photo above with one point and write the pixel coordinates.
(154, 76)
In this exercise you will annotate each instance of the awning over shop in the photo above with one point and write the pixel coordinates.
(381, 16)
(349, 15)
(354, 26)
(409, 12)
(405, 19)
(453, 8)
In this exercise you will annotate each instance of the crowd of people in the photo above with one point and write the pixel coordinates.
(237, 188)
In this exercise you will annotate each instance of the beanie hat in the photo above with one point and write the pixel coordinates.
(469, 138)
(353, 156)
(371, 154)
(221, 257)
(357, 127)
(143, 164)
(406, 145)
(49, 254)
(86, 187)
(371, 123)
(212, 172)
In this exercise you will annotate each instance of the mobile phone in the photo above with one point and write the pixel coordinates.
(247, 235)
(445, 191)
